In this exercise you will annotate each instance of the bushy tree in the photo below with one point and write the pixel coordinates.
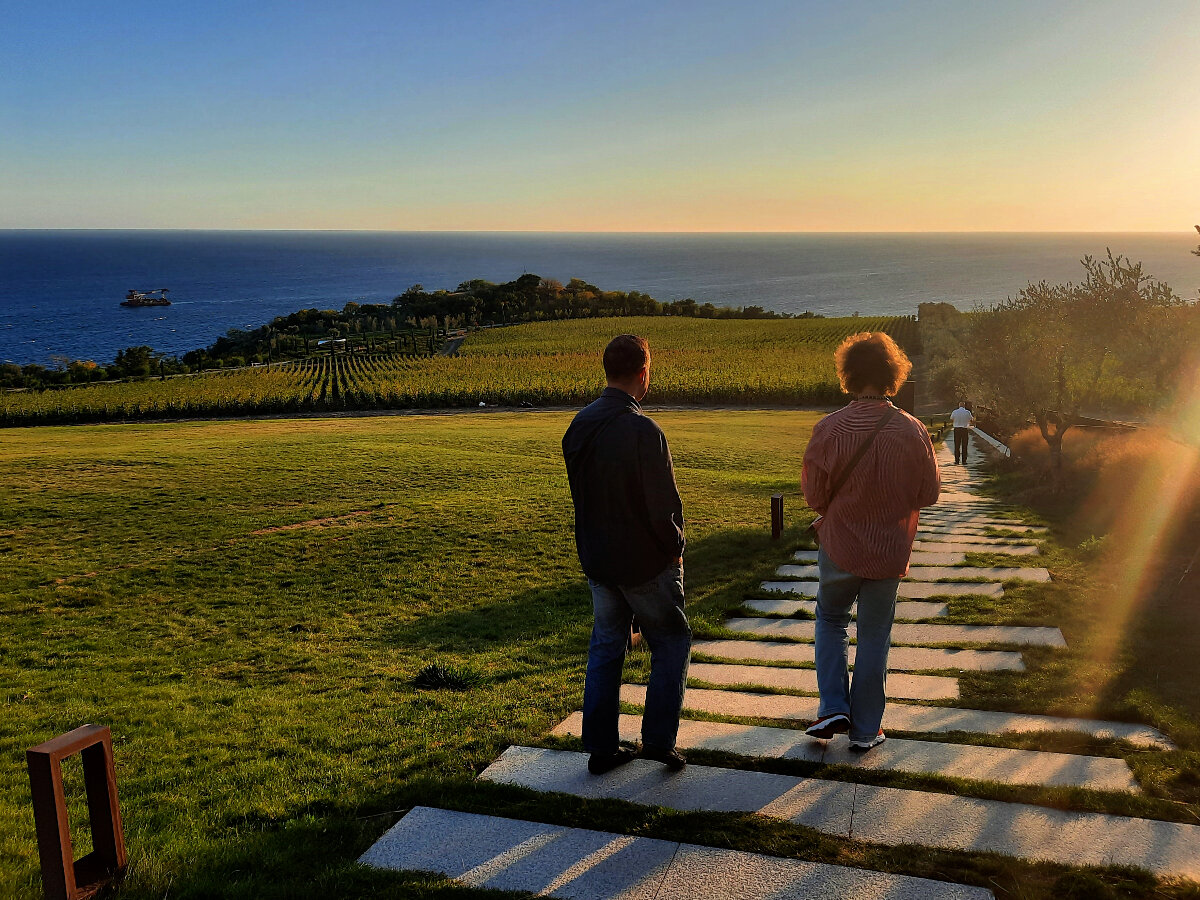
(1046, 353)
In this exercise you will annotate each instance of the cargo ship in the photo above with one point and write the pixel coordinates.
(147, 298)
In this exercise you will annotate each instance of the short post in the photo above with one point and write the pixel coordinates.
(906, 397)
(64, 877)
(776, 516)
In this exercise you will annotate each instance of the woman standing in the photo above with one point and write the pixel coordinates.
(868, 470)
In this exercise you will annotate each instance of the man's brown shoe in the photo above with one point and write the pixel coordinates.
(672, 759)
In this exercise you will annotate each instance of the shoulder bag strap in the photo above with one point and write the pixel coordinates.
(837, 485)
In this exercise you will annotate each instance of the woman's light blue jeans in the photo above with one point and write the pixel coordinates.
(658, 605)
(864, 697)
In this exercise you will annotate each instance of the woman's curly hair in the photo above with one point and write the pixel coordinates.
(871, 359)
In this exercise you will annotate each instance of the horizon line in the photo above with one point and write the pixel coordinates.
(572, 232)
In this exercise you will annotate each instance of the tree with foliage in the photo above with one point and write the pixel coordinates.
(1045, 354)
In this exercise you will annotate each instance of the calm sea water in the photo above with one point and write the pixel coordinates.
(60, 290)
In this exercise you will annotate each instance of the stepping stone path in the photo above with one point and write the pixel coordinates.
(908, 589)
(903, 687)
(926, 757)
(906, 609)
(919, 635)
(549, 860)
(918, 558)
(942, 573)
(956, 546)
(901, 659)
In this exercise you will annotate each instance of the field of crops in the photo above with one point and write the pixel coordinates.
(774, 362)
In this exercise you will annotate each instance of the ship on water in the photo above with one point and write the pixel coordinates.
(147, 298)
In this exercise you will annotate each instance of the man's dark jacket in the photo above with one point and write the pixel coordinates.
(628, 515)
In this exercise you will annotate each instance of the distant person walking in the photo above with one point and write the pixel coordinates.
(629, 534)
(868, 470)
(962, 419)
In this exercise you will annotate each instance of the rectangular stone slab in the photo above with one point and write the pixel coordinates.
(895, 816)
(513, 855)
(964, 547)
(972, 528)
(942, 573)
(880, 815)
(826, 805)
(920, 634)
(905, 609)
(580, 864)
(894, 755)
(900, 687)
(900, 659)
(917, 558)
(907, 716)
(911, 590)
(705, 873)
(959, 537)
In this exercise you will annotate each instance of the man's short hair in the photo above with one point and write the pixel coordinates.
(625, 356)
(871, 359)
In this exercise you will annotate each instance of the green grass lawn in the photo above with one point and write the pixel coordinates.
(247, 604)
(258, 681)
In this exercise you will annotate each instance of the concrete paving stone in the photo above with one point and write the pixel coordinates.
(909, 590)
(699, 873)
(919, 634)
(897, 816)
(905, 609)
(964, 547)
(918, 557)
(942, 573)
(894, 755)
(979, 519)
(900, 659)
(965, 528)
(513, 855)
(900, 687)
(957, 537)
(880, 815)
(553, 861)
(907, 717)
(695, 789)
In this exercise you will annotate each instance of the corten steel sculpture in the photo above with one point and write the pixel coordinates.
(64, 877)
(776, 516)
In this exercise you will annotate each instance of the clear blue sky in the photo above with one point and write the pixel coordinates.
(601, 116)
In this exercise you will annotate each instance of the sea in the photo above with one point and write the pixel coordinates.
(60, 291)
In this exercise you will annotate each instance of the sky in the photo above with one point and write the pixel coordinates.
(611, 115)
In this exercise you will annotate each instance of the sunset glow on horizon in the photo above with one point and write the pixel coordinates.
(535, 116)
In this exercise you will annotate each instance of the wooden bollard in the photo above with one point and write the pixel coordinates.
(63, 876)
(776, 516)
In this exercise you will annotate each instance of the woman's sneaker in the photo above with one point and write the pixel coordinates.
(827, 726)
(864, 746)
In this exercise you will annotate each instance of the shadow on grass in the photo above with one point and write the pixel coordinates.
(309, 850)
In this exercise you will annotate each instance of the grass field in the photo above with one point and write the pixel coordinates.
(747, 362)
(247, 604)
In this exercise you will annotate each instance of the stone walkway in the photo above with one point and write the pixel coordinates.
(765, 676)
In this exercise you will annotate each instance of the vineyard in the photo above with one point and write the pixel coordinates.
(695, 361)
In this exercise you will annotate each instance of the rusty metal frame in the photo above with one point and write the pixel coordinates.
(63, 876)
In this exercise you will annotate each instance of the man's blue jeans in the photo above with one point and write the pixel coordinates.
(863, 698)
(658, 605)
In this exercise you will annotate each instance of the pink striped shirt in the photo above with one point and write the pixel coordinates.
(869, 527)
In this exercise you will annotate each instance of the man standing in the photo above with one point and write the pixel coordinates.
(629, 534)
(962, 419)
